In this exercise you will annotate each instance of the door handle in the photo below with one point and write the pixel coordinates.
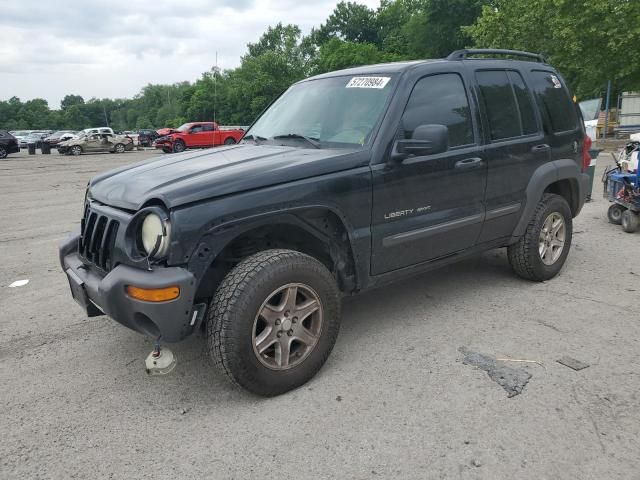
(468, 163)
(540, 148)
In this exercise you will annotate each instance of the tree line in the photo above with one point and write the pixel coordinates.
(589, 41)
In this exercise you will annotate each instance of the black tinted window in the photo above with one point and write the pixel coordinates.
(207, 128)
(441, 100)
(525, 104)
(553, 99)
(499, 104)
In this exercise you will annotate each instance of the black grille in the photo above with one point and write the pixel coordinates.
(97, 238)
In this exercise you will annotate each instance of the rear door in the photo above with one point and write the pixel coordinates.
(430, 206)
(208, 135)
(515, 146)
(559, 114)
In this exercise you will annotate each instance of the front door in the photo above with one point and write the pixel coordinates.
(428, 207)
(93, 143)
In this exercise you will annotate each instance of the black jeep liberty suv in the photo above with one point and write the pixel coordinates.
(347, 181)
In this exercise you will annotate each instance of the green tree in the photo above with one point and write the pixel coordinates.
(338, 54)
(70, 100)
(589, 41)
(352, 22)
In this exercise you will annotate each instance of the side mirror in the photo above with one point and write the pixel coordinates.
(426, 140)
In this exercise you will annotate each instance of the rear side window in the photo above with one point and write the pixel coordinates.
(507, 104)
(553, 99)
(442, 100)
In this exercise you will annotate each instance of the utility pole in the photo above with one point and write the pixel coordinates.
(215, 95)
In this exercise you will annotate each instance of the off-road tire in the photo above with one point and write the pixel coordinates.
(179, 146)
(119, 148)
(234, 307)
(230, 141)
(524, 256)
(75, 150)
(614, 214)
(630, 221)
(3, 152)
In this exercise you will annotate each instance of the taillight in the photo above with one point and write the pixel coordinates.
(586, 158)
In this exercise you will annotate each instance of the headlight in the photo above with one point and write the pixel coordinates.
(154, 234)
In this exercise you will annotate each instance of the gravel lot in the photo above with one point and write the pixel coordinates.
(395, 399)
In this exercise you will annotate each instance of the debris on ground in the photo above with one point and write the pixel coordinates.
(570, 362)
(513, 380)
(19, 283)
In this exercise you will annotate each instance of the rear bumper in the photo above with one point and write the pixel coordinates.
(13, 149)
(106, 294)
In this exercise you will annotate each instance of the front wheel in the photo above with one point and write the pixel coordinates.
(76, 150)
(119, 148)
(273, 321)
(179, 146)
(614, 214)
(541, 252)
(630, 221)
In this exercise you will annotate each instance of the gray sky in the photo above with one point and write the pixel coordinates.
(112, 48)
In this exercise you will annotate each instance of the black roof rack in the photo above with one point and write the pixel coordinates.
(463, 54)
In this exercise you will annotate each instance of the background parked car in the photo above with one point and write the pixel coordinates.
(60, 136)
(96, 142)
(33, 137)
(146, 137)
(198, 135)
(20, 134)
(8, 144)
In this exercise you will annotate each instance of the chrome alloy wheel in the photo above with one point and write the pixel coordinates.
(288, 326)
(552, 237)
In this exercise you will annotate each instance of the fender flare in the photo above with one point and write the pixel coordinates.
(215, 239)
(545, 175)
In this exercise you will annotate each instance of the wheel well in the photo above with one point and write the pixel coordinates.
(568, 189)
(319, 234)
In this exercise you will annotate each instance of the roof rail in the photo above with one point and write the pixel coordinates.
(463, 54)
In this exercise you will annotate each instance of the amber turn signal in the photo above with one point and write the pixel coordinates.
(153, 294)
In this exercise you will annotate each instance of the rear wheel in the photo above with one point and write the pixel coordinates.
(614, 214)
(179, 146)
(3, 152)
(273, 321)
(76, 150)
(542, 250)
(230, 141)
(630, 221)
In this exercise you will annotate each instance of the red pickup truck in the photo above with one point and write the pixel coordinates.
(197, 135)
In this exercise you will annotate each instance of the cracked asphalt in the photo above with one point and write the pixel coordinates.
(394, 400)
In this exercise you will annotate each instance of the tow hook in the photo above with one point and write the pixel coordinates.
(161, 361)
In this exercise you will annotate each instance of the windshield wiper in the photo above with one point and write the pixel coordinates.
(255, 138)
(310, 140)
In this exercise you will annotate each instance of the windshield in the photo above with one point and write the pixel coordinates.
(184, 127)
(332, 112)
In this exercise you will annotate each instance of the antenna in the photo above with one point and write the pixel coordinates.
(215, 96)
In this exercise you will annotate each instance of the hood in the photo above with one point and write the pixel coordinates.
(188, 177)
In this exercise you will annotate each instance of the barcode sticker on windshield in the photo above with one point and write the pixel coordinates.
(368, 82)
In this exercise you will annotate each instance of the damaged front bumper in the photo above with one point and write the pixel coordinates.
(101, 293)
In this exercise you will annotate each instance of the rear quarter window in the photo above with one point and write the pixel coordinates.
(554, 101)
